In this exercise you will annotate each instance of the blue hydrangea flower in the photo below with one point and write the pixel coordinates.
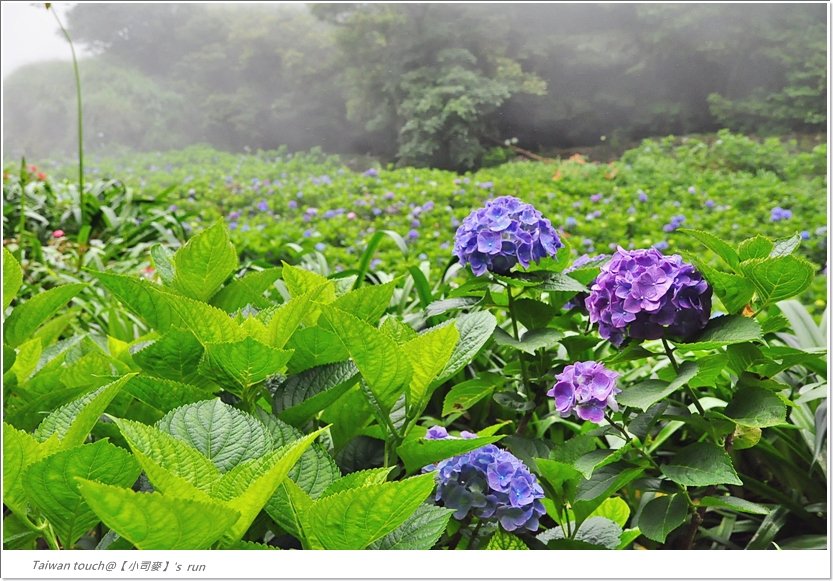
(778, 213)
(676, 222)
(585, 388)
(805, 235)
(262, 206)
(489, 483)
(647, 295)
(371, 173)
(643, 197)
(503, 233)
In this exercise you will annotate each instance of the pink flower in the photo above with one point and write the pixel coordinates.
(351, 215)
(58, 234)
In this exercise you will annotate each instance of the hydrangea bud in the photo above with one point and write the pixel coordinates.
(489, 483)
(586, 388)
(502, 234)
(647, 295)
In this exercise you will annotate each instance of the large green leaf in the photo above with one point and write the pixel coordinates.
(164, 394)
(464, 395)
(221, 433)
(313, 347)
(286, 319)
(12, 277)
(26, 359)
(421, 452)
(716, 245)
(204, 262)
(244, 363)
(755, 247)
(733, 290)
(354, 518)
(503, 541)
(246, 290)
(31, 314)
(163, 261)
(662, 515)
(779, 278)
(428, 354)
(358, 479)
(701, 464)
(73, 422)
(52, 488)
(367, 303)
(614, 509)
(171, 465)
(605, 481)
(531, 341)
(248, 486)
(208, 324)
(303, 395)
(153, 521)
(383, 365)
(755, 407)
(646, 393)
(175, 355)
(147, 300)
(20, 450)
(474, 329)
(725, 330)
(420, 532)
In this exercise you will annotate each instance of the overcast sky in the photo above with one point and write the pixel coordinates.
(30, 34)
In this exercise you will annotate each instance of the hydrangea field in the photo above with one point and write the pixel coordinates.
(295, 351)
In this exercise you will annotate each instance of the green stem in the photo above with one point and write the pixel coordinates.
(670, 353)
(49, 536)
(524, 371)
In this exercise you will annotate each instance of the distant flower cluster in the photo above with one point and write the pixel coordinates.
(779, 213)
(502, 234)
(586, 388)
(676, 222)
(646, 295)
(489, 483)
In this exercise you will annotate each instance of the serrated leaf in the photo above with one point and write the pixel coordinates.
(427, 354)
(286, 507)
(475, 329)
(785, 246)
(20, 449)
(147, 300)
(163, 262)
(587, 463)
(531, 341)
(283, 324)
(303, 395)
(464, 395)
(735, 504)
(701, 464)
(73, 422)
(354, 518)
(31, 314)
(381, 362)
(779, 278)
(614, 509)
(244, 363)
(153, 521)
(421, 452)
(733, 290)
(246, 290)
(221, 433)
(594, 533)
(204, 263)
(604, 483)
(175, 355)
(646, 393)
(52, 488)
(755, 247)
(442, 306)
(397, 330)
(171, 465)
(164, 394)
(755, 407)
(348, 415)
(299, 281)
(208, 324)
(248, 486)
(313, 347)
(716, 245)
(357, 480)
(662, 515)
(26, 360)
(51, 330)
(12, 277)
(725, 330)
(420, 532)
(367, 303)
(503, 541)
(560, 477)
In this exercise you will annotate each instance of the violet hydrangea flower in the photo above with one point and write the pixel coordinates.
(647, 295)
(489, 483)
(585, 388)
(502, 234)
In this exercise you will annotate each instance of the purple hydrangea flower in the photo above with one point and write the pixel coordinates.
(502, 234)
(234, 215)
(490, 483)
(647, 295)
(692, 190)
(262, 206)
(643, 197)
(596, 198)
(320, 247)
(805, 235)
(710, 203)
(292, 204)
(779, 213)
(485, 185)
(585, 388)
(570, 222)
(413, 234)
(371, 173)
(676, 222)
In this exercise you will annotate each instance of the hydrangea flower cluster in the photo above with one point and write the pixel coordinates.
(586, 389)
(676, 222)
(489, 483)
(647, 295)
(778, 213)
(502, 234)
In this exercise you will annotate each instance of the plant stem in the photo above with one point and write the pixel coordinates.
(670, 353)
(474, 534)
(524, 371)
(49, 536)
